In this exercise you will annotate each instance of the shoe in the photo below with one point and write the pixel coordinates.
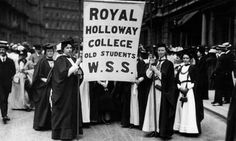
(213, 102)
(152, 134)
(125, 126)
(226, 102)
(6, 118)
(86, 125)
(107, 122)
(217, 104)
(149, 135)
(4, 121)
(166, 138)
(28, 109)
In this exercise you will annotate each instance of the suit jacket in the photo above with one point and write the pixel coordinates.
(201, 83)
(7, 71)
(223, 72)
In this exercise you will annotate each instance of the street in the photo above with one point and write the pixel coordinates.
(19, 128)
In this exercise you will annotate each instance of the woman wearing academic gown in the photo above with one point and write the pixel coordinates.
(211, 64)
(188, 112)
(65, 96)
(231, 124)
(41, 89)
(106, 103)
(160, 110)
(202, 74)
(94, 102)
(138, 93)
(121, 96)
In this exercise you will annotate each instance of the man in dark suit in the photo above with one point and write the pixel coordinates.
(7, 71)
(223, 81)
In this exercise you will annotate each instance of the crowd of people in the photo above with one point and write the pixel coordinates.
(166, 97)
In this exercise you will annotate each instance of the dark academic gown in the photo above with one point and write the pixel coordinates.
(143, 88)
(65, 101)
(106, 103)
(211, 64)
(122, 94)
(231, 124)
(168, 99)
(41, 92)
(165, 99)
(94, 101)
(100, 100)
(202, 78)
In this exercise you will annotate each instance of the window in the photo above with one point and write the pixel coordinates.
(46, 4)
(68, 16)
(46, 14)
(46, 25)
(53, 4)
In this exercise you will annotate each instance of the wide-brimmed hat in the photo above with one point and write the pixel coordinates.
(224, 46)
(212, 50)
(3, 44)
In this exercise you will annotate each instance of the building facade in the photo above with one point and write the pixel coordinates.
(21, 21)
(62, 19)
(189, 22)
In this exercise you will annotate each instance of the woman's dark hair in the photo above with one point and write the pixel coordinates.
(186, 53)
(66, 42)
(201, 49)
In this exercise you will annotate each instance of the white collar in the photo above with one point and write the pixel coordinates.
(3, 59)
(227, 51)
(162, 58)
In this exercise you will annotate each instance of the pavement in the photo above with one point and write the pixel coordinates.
(220, 111)
(19, 128)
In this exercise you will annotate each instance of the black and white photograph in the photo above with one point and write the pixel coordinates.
(118, 70)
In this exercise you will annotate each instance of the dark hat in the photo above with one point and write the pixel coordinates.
(189, 51)
(23, 52)
(66, 42)
(4, 44)
(48, 46)
(201, 49)
(224, 46)
(38, 46)
(26, 45)
(142, 52)
(161, 45)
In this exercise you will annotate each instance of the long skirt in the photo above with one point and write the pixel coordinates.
(134, 105)
(185, 115)
(85, 101)
(152, 113)
(19, 98)
(42, 114)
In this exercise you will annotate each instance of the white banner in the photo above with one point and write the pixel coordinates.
(110, 39)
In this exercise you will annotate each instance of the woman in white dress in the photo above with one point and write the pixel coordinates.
(85, 98)
(19, 98)
(186, 120)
